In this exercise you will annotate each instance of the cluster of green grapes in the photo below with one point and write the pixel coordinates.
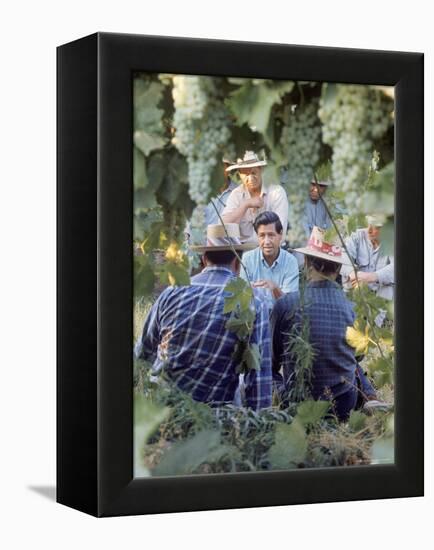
(353, 117)
(201, 124)
(301, 143)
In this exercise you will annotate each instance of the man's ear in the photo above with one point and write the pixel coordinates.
(237, 265)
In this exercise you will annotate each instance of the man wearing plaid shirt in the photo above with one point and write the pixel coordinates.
(185, 334)
(336, 375)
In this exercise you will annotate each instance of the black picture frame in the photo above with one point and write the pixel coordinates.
(95, 264)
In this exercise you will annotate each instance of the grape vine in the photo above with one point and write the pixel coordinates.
(353, 117)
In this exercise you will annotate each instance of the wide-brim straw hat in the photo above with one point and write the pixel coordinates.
(249, 160)
(219, 239)
(318, 248)
(376, 220)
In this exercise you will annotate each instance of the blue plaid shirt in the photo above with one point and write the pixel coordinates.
(329, 313)
(185, 334)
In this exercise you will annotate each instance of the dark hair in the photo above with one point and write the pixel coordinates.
(323, 266)
(266, 218)
(221, 257)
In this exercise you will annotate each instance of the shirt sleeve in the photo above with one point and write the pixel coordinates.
(279, 205)
(290, 278)
(352, 244)
(386, 275)
(259, 382)
(233, 202)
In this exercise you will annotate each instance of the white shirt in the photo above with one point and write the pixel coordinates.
(275, 200)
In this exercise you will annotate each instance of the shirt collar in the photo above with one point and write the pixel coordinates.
(264, 261)
(218, 268)
(323, 284)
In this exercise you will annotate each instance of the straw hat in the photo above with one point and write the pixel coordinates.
(249, 161)
(217, 239)
(317, 247)
(377, 220)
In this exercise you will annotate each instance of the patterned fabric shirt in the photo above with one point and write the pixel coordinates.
(329, 313)
(185, 334)
(283, 271)
(275, 200)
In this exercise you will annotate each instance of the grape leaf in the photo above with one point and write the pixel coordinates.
(310, 412)
(147, 418)
(290, 446)
(242, 295)
(252, 357)
(184, 457)
(241, 324)
(144, 278)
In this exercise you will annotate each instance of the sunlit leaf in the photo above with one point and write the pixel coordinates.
(357, 339)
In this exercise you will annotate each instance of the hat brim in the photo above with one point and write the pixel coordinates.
(324, 183)
(343, 260)
(224, 248)
(246, 165)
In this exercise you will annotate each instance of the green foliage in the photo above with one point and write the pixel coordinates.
(149, 132)
(144, 276)
(242, 323)
(251, 103)
(147, 418)
(310, 412)
(290, 447)
(185, 457)
(241, 296)
(357, 421)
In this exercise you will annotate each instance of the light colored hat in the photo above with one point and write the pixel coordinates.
(217, 239)
(323, 182)
(317, 247)
(377, 220)
(249, 161)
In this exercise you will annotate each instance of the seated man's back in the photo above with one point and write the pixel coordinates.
(185, 334)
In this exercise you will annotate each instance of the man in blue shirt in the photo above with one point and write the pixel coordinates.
(185, 332)
(335, 374)
(269, 266)
(315, 214)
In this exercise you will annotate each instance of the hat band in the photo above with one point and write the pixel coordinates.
(326, 248)
(223, 241)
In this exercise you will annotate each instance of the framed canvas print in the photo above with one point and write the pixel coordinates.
(240, 274)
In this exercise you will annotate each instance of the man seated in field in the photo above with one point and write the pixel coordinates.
(253, 196)
(374, 268)
(269, 266)
(315, 213)
(323, 306)
(185, 335)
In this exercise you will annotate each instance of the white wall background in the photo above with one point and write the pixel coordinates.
(30, 31)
